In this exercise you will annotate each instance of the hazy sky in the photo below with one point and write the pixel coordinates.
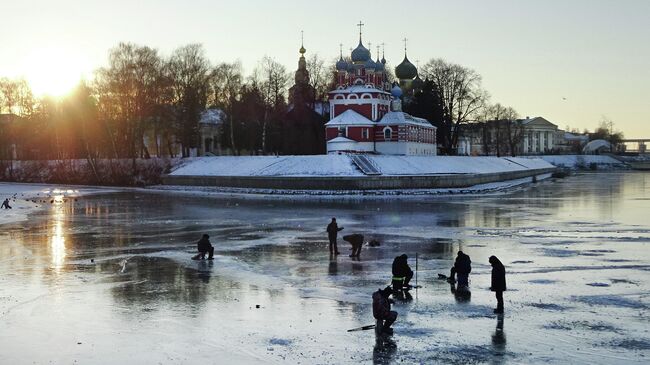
(531, 53)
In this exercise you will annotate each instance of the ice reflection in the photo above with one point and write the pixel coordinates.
(57, 237)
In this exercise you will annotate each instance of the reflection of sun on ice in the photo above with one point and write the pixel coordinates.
(54, 71)
(57, 240)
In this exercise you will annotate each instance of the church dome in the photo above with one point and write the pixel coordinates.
(370, 64)
(396, 91)
(361, 53)
(379, 66)
(406, 70)
(418, 83)
(341, 65)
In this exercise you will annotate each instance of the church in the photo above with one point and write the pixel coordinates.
(365, 109)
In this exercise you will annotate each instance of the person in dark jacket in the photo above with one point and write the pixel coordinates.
(204, 246)
(332, 232)
(402, 273)
(5, 204)
(498, 282)
(462, 267)
(381, 310)
(356, 240)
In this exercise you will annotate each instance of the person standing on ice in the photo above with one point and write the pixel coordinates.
(5, 204)
(402, 273)
(332, 233)
(462, 267)
(204, 246)
(498, 282)
(381, 310)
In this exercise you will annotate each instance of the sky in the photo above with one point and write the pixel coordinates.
(572, 62)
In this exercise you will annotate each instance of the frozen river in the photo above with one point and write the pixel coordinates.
(108, 279)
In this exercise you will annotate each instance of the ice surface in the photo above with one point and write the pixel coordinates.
(108, 278)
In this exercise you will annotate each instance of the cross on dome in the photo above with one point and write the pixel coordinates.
(360, 25)
(405, 40)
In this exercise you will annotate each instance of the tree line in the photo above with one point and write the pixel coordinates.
(143, 104)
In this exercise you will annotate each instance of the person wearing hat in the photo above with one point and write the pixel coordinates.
(498, 282)
(204, 246)
(381, 310)
(462, 267)
(402, 273)
(332, 233)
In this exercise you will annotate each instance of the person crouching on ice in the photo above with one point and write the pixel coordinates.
(462, 268)
(356, 240)
(204, 246)
(402, 273)
(381, 310)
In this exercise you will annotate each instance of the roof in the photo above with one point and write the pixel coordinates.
(349, 117)
(596, 145)
(212, 116)
(358, 89)
(392, 118)
(538, 120)
(340, 139)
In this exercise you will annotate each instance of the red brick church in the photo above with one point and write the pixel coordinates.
(365, 109)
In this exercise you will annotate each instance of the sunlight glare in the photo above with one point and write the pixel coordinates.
(54, 71)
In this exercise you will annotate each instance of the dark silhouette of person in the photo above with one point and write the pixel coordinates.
(356, 240)
(499, 338)
(498, 282)
(402, 273)
(5, 204)
(381, 310)
(461, 269)
(332, 232)
(204, 246)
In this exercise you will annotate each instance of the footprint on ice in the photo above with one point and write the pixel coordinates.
(280, 342)
(542, 281)
(549, 306)
(598, 284)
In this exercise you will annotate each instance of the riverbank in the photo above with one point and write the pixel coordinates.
(351, 174)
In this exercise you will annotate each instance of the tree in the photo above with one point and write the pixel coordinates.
(606, 131)
(190, 74)
(272, 79)
(226, 91)
(461, 94)
(319, 77)
(129, 93)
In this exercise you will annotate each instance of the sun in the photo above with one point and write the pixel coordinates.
(54, 71)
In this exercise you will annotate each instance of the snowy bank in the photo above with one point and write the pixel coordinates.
(343, 165)
(593, 162)
(349, 174)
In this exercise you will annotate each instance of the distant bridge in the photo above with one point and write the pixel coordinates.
(641, 144)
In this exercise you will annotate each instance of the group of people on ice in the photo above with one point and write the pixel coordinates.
(402, 275)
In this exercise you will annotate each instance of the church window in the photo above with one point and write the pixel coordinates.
(388, 134)
(364, 133)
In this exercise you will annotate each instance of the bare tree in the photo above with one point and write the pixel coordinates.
(128, 92)
(461, 93)
(226, 90)
(272, 79)
(319, 76)
(190, 73)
